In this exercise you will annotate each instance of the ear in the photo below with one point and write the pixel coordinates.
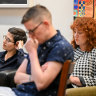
(16, 45)
(46, 22)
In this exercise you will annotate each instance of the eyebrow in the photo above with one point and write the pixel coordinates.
(10, 39)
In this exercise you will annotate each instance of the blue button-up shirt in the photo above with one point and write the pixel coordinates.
(56, 49)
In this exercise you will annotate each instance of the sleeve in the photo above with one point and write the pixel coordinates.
(82, 81)
(91, 79)
(88, 81)
(60, 54)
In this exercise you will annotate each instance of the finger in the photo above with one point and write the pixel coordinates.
(29, 41)
(36, 41)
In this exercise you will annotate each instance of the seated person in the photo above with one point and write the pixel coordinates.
(12, 57)
(84, 43)
(45, 46)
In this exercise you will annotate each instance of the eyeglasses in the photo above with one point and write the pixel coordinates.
(31, 31)
(7, 39)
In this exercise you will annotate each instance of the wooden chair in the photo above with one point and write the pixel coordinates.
(63, 78)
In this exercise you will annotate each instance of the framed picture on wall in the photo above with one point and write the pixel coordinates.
(84, 8)
(15, 3)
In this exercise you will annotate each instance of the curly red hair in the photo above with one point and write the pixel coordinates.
(87, 25)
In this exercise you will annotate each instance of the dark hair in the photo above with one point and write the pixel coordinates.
(18, 34)
(88, 26)
(37, 13)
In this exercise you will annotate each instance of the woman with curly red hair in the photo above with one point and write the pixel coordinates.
(84, 43)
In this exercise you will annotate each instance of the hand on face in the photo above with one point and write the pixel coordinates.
(19, 44)
(31, 44)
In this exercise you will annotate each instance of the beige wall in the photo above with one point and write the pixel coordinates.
(62, 13)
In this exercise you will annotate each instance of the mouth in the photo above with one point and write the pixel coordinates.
(76, 39)
(4, 44)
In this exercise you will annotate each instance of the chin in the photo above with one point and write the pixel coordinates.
(77, 43)
(4, 47)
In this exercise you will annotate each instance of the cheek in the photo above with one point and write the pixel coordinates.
(85, 40)
(10, 46)
(6, 47)
(84, 37)
(37, 35)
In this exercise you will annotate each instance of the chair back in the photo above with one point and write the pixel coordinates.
(63, 78)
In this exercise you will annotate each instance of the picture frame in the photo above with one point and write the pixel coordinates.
(84, 8)
(16, 3)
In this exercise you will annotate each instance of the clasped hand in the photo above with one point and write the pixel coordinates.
(75, 80)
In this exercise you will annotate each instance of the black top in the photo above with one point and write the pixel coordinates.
(12, 62)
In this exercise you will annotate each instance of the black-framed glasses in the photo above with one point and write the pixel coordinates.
(7, 39)
(31, 31)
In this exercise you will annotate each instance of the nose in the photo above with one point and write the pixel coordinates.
(75, 34)
(4, 41)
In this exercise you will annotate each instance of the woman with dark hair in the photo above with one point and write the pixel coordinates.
(84, 43)
(14, 54)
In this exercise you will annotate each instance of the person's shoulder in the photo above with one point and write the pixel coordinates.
(62, 46)
(94, 51)
(63, 43)
(2, 53)
(22, 53)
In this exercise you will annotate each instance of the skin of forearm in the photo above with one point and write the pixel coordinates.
(37, 74)
(22, 78)
(35, 65)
